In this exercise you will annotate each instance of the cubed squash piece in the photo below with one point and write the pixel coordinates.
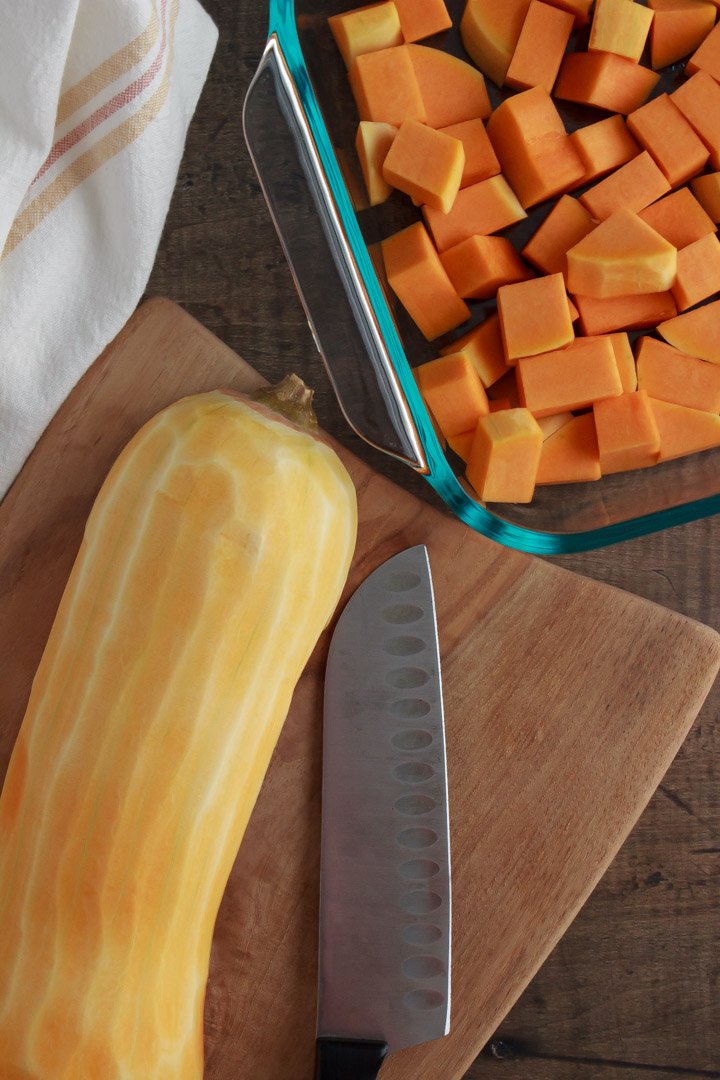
(605, 81)
(680, 218)
(451, 89)
(421, 19)
(478, 210)
(698, 100)
(696, 333)
(623, 256)
(684, 431)
(461, 444)
(574, 313)
(633, 187)
(501, 405)
(564, 227)
(707, 56)
(674, 376)
(698, 272)
(628, 436)
(620, 27)
(540, 48)
(490, 32)
(569, 379)
(453, 393)
(416, 276)
(624, 312)
(385, 87)
(678, 27)
(505, 456)
(506, 389)
(706, 190)
(484, 347)
(571, 455)
(425, 164)
(663, 131)
(372, 143)
(533, 147)
(480, 159)
(481, 264)
(604, 146)
(625, 361)
(550, 424)
(579, 9)
(365, 30)
(534, 317)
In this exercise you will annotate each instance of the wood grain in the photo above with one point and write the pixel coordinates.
(566, 701)
(220, 258)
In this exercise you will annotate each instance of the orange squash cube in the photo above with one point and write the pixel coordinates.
(506, 389)
(707, 56)
(696, 333)
(540, 48)
(372, 143)
(706, 190)
(678, 27)
(478, 210)
(453, 393)
(674, 376)
(484, 347)
(480, 265)
(624, 312)
(385, 87)
(574, 313)
(698, 272)
(490, 32)
(533, 148)
(365, 30)
(623, 256)
(628, 436)
(625, 361)
(633, 187)
(679, 218)
(425, 164)
(501, 405)
(452, 90)
(550, 424)
(504, 456)
(620, 27)
(664, 132)
(568, 379)
(605, 81)
(422, 18)
(461, 444)
(565, 226)
(534, 317)
(579, 9)
(416, 276)
(480, 159)
(698, 100)
(604, 146)
(684, 431)
(571, 455)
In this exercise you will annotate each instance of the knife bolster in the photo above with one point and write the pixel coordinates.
(349, 1059)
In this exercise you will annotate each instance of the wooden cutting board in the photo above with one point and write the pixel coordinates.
(566, 701)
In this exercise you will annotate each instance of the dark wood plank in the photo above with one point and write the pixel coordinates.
(657, 945)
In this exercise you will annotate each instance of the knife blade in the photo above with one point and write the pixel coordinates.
(385, 890)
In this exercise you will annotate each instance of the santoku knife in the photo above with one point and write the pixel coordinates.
(384, 971)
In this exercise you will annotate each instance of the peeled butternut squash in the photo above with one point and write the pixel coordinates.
(212, 560)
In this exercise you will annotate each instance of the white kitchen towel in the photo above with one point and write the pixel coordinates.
(95, 100)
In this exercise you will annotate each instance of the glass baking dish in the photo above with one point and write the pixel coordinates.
(300, 123)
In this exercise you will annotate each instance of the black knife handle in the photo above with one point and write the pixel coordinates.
(348, 1059)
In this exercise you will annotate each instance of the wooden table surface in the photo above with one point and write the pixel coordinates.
(633, 990)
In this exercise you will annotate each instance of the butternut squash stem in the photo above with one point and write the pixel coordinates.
(290, 398)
